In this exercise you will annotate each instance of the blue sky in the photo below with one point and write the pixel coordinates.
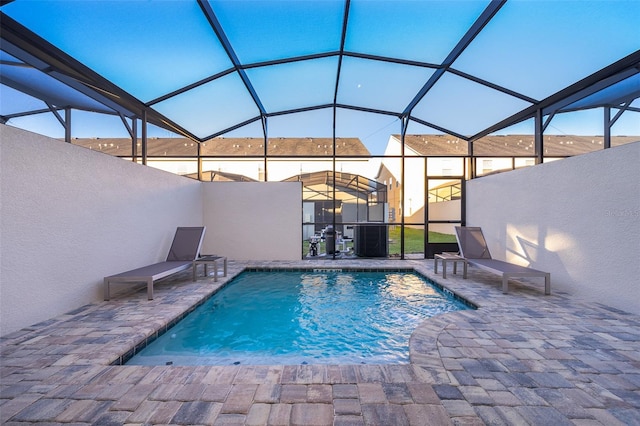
(532, 47)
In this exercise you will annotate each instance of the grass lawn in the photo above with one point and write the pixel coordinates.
(413, 240)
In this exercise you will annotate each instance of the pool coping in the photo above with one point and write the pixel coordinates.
(125, 357)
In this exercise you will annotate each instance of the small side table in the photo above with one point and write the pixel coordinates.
(208, 260)
(453, 257)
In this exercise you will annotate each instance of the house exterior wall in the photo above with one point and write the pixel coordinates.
(578, 218)
(394, 201)
(446, 210)
(70, 216)
(253, 220)
(277, 169)
(414, 175)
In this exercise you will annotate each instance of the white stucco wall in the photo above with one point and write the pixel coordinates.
(578, 218)
(70, 216)
(445, 210)
(253, 220)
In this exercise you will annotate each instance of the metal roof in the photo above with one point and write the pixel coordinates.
(205, 68)
(320, 186)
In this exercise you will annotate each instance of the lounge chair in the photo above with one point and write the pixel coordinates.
(473, 247)
(184, 250)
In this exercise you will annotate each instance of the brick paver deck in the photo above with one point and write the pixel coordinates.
(522, 358)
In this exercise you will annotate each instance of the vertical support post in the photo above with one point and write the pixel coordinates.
(539, 137)
(134, 139)
(333, 182)
(404, 123)
(426, 207)
(472, 161)
(199, 161)
(468, 172)
(143, 142)
(607, 127)
(67, 124)
(263, 119)
(463, 202)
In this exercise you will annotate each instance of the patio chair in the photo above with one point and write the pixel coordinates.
(184, 250)
(473, 247)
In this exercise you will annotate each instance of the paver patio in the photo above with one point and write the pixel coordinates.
(521, 358)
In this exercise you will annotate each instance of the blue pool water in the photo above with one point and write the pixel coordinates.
(288, 317)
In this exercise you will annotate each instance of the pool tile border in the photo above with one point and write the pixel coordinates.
(436, 284)
(125, 357)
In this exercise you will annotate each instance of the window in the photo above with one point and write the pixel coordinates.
(487, 166)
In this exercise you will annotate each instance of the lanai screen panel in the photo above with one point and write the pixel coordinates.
(422, 31)
(261, 31)
(463, 105)
(203, 68)
(539, 47)
(295, 85)
(379, 85)
(212, 107)
(147, 48)
(15, 101)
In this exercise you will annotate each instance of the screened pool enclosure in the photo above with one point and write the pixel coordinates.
(383, 109)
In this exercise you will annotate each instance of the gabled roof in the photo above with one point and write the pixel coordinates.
(230, 147)
(509, 145)
(284, 147)
(427, 145)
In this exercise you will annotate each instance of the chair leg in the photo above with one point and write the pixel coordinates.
(505, 284)
(547, 284)
(150, 289)
(106, 289)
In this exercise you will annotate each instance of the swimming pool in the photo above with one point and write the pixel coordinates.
(303, 317)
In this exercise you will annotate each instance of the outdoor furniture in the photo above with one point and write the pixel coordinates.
(210, 260)
(473, 247)
(449, 257)
(184, 250)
